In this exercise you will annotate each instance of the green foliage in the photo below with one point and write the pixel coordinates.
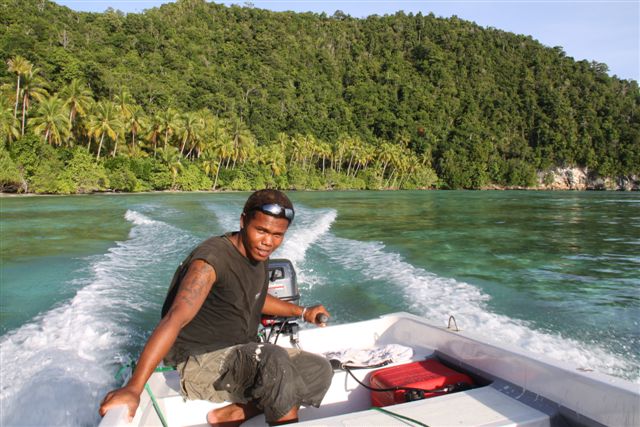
(423, 177)
(548, 178)
(239, 182)
(455, 171)
(121, 177)
(373, 179)
(254, 98)
(315, 182)
(11, 180)
(28, 152)
(160, 176)
(297, 178)
(193, 179)
(82, 174)
(340, 181)
(520, 173)
(47, 177)
(281, 182)
(143, 169)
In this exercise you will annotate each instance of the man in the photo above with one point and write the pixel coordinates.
(209, 324)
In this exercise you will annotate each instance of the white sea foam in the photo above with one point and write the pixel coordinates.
(227, 214)
(56, 368)
(138, 218)
(308, 227)
(436, 298)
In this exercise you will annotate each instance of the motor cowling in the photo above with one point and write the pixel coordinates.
(282, 280)
(283, 284)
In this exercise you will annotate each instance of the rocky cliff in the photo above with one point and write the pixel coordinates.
(583, 179)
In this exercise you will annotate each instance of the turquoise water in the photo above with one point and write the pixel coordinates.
(83, 277)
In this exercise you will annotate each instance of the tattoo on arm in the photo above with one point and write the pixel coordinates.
(196, 282)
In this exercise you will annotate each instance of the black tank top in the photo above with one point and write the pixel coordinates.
(231, 313)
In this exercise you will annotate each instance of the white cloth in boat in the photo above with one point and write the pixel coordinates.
(391, 353)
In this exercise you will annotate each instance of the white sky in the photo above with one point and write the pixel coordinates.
(606, 31)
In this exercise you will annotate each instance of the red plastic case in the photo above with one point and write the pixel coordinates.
(427, 375)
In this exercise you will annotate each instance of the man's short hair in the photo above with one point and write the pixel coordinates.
(260, 198)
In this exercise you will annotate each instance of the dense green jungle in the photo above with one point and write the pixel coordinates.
(195, 95)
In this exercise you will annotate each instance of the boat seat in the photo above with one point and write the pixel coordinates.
(483, 406)
(177, 411)
(165, 385)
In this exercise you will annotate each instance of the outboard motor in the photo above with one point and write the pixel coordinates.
(282, 280)
(283, 285)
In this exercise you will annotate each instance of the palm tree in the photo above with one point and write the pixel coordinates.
(190, 130)
(134, 123)
(125, 101)
(273, 157)
(169, 122)
(52, 120)
(208, 163)
(385, 155)
(21, 67)
(107, 122)
(412, 164)
(205, 131)
(221, 144)
(303, 146)
(78, 98)
(154, 128)
(243, 142)
(354, 147)
(324, 152)
(315, 150)
(340, 148)
(90, 123)
(364, 156)
(9, 125)
(172, 158)
(33, 87)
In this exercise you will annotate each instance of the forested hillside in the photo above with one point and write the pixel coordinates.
(195, 95)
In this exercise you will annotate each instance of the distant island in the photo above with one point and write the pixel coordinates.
(199, 96)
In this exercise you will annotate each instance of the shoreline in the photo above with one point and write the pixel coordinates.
(484, 189)
(556, 179)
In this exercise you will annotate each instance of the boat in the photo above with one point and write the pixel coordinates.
(504, 386)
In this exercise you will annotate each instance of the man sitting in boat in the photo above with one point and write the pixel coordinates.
(209, 324)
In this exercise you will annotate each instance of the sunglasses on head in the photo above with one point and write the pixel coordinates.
(274, 209)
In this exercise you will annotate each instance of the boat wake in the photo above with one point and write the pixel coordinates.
(436, 298)
(56, 368)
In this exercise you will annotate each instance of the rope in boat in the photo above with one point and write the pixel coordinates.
(417, 393)
(154, 402)
(420, 391)
(400, 417)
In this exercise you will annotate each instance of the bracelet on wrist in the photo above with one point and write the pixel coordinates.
(304, 310)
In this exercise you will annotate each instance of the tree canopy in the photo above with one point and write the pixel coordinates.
(199, 95)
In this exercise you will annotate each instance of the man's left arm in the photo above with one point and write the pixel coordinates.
(274, 306)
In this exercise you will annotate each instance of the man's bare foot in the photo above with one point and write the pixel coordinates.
(232, 415)
(288, 418)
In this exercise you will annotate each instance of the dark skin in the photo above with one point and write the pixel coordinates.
(258, 238)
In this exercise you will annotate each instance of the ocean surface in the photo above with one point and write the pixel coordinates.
(83, 277)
